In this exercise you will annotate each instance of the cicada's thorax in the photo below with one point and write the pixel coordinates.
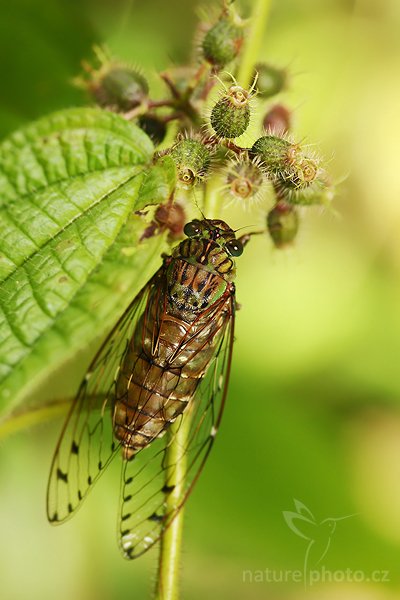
(174, 341)
(198, 275)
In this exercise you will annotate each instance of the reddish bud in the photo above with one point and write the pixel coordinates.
(278, 119)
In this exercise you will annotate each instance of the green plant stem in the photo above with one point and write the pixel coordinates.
(251, 51)
(22, 419)
(170, 546)
(167, 587)
(211, 198)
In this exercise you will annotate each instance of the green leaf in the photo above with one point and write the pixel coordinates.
(70, 257)
(159, 182)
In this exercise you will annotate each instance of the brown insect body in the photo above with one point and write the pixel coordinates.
(169, 352)
(174, 341)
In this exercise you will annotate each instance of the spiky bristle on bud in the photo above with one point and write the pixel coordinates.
(223, 41)
(244, 179)
(319, 191)
(285, 163)
(283, 224)
(230, 116)
(300, 174)
(192, 159)
(277, 154)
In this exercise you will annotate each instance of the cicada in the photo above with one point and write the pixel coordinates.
(167, 360)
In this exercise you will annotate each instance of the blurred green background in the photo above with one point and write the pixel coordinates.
(313, 411)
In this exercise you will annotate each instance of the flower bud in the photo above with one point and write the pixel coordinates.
(319, 191)
(244, 179)
(283, 224)
(271, 80)
(230, 116)
(277, 120)
(192, 159)
(223, 41)
(276, 154)
(118, 88)
(300, 174)
(285, 163)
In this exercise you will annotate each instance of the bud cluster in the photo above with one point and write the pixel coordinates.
(208, 130)
(285, 163)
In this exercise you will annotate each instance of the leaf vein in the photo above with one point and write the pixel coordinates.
(72, 221)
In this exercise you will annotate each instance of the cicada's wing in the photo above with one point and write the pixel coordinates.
(86, 445)
(158, 480)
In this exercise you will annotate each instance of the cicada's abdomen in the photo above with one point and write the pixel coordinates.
(173, 343)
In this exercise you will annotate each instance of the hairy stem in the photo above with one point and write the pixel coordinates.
(251, 52)
(170, 547)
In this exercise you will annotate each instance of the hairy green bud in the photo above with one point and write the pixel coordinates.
(192, 159)
(285, 163)
(230, 116)
(244, 179)
(319, 191)
(271, 80)
(276, 153)
(300, 174)
(223, 41)
(283, 224)
(119, 88)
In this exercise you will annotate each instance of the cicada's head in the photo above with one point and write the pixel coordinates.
(212, 244)
(217, 231)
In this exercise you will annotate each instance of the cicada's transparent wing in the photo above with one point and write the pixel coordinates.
(87, 445)
(156, 471)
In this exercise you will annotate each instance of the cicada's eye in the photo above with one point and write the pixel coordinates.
(234, 247)
(192, 229)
